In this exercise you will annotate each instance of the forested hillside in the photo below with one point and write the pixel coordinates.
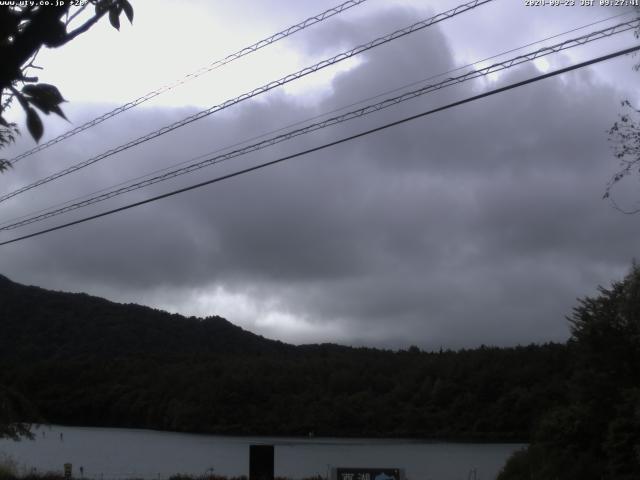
(87, 361)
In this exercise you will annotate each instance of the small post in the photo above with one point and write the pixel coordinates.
(261, 462)
(67, 471)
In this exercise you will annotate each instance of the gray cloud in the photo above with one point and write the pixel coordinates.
(481, 224)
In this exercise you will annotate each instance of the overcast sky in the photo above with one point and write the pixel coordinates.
(481, 224)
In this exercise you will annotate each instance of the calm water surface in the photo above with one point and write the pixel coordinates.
(121, 453)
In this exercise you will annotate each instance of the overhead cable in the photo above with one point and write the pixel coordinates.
(167, 175)
(257, 91)
(331, 144)
(193, 75)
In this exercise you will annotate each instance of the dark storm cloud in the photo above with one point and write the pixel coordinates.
(477, 225)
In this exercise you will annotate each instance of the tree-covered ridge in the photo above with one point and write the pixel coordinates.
(41, 324)
(87, 361)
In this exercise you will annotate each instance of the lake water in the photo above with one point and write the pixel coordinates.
(112, 453)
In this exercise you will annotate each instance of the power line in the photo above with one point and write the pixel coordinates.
(331, 144)
(589, 37)
(324, 114)
(265, 88)
(193, 75)
(15, 222)
(315, 117)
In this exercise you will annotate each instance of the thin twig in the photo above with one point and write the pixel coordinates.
(85, 26)
(7, 102)
(78, 12)
(620, 209)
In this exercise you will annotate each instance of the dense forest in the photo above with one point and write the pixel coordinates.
(82, 360)
(595, 435)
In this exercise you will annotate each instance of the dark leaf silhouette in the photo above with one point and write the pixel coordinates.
(34, 124)
(128, 10)
(58, 111)
(114, 17)
(45, 97)
(45, 91)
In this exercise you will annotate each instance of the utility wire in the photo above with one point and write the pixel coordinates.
(315, 117)
(331, 144)
(590, 37)
(308, 119)
(265, 88)
(193, 75)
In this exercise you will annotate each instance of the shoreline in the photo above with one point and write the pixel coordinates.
(480, 439)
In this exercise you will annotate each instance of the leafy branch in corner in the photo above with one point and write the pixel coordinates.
(24, 30)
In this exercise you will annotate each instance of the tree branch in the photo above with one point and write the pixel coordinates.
(77, 12)
(84, 27)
